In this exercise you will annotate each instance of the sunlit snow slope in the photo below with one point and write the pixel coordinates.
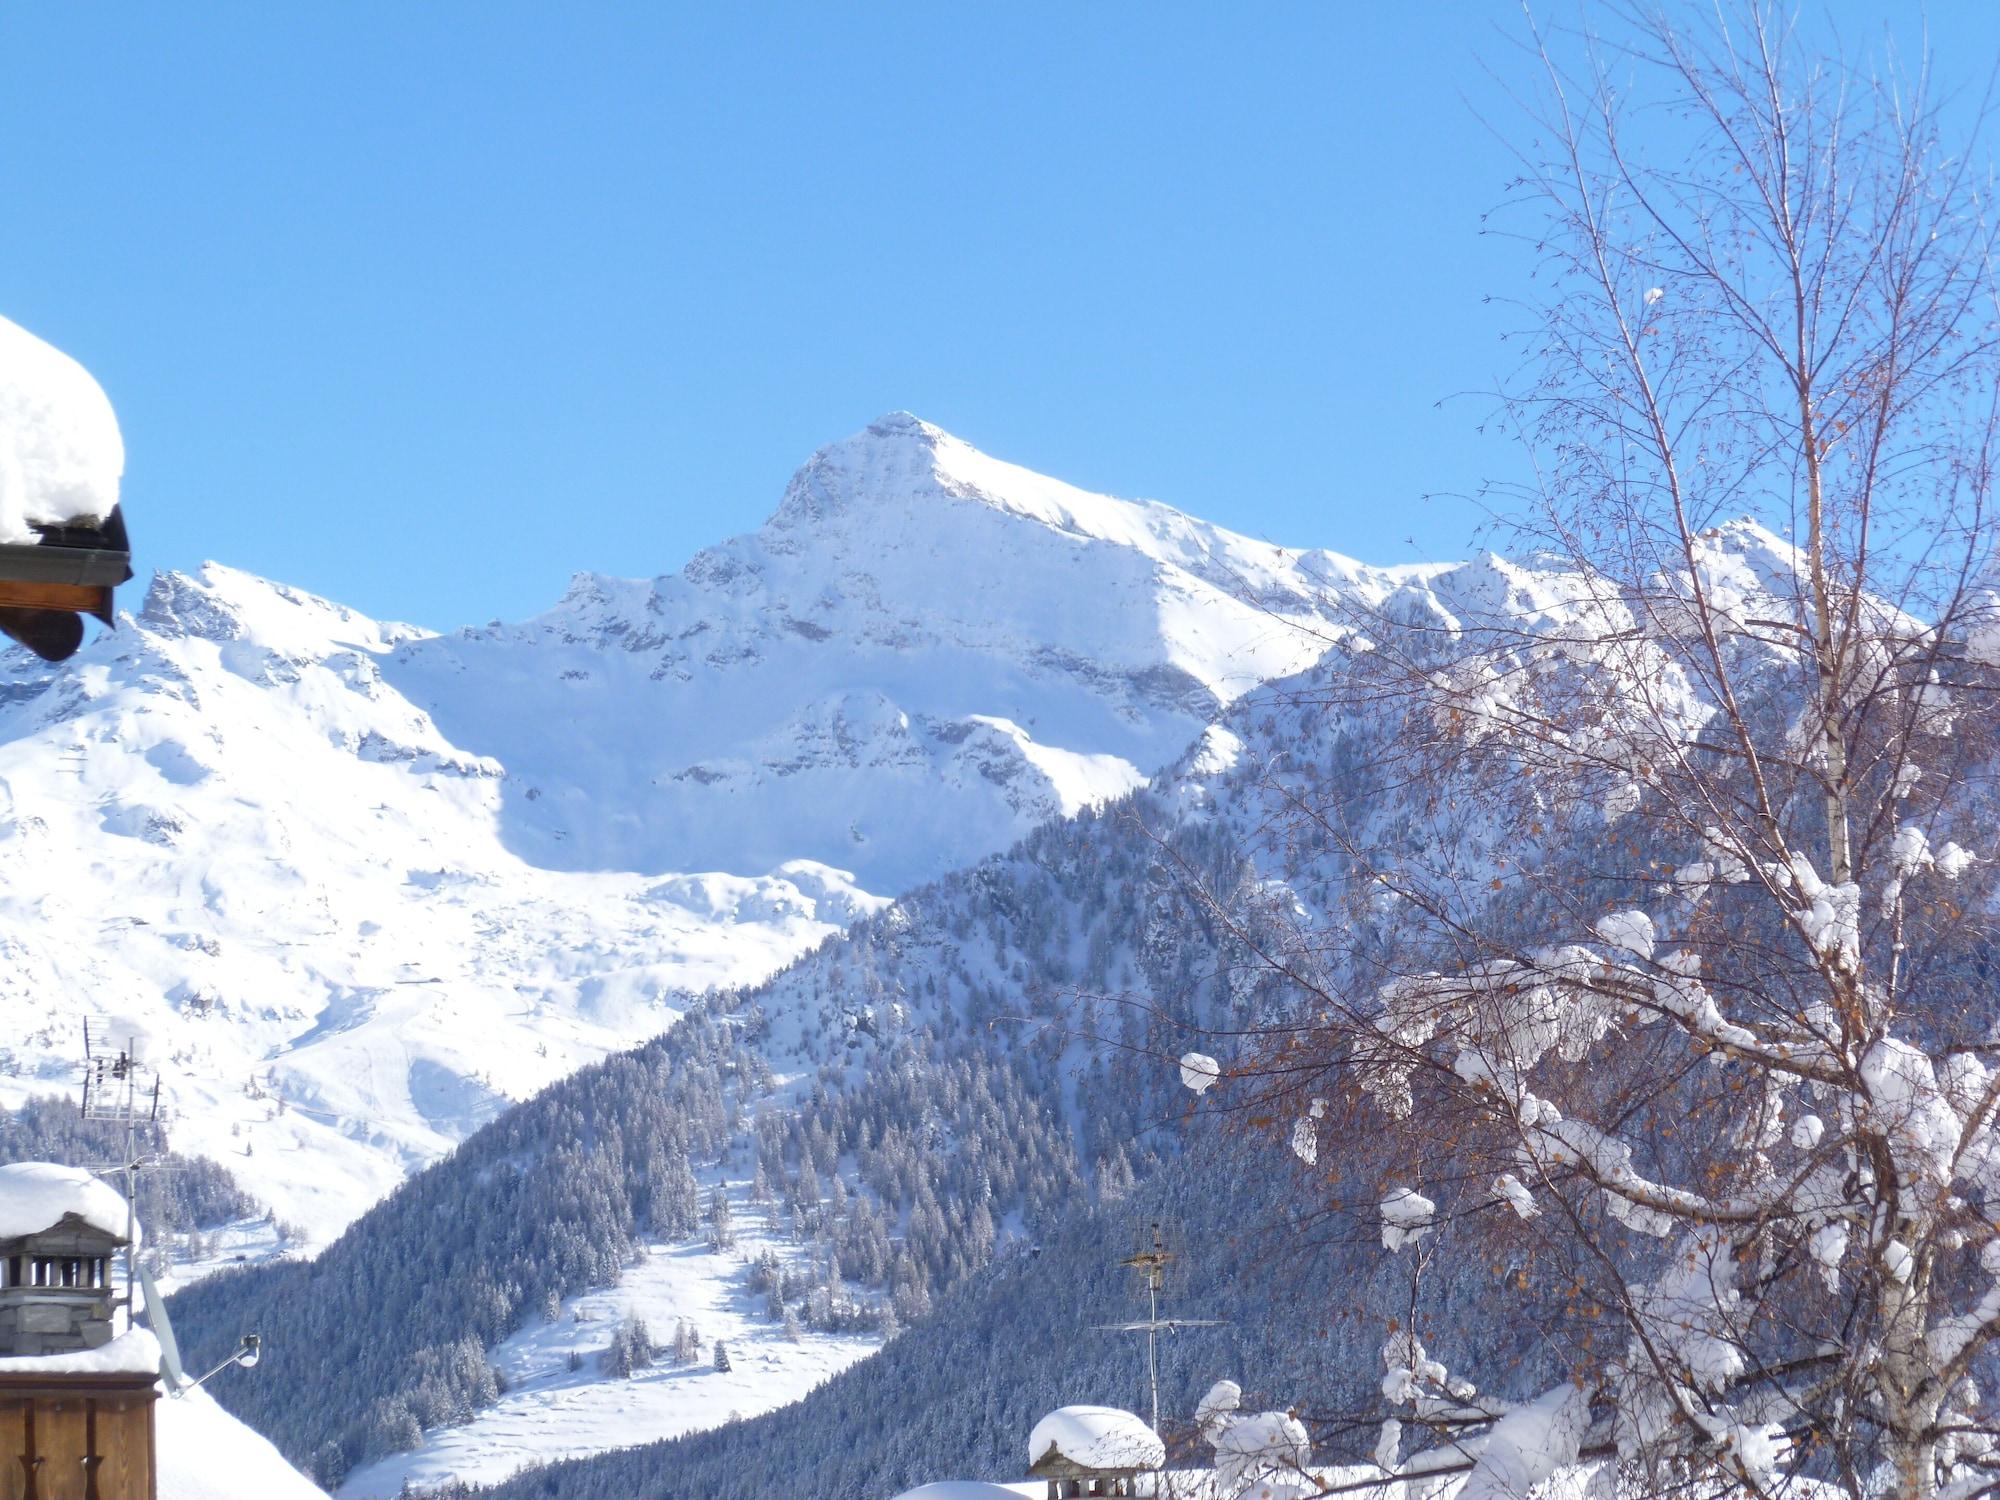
(358, 886)
(221, 829)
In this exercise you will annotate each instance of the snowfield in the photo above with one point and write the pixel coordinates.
(356, 887)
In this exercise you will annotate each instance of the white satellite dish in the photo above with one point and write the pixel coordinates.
(163, 1330)
(246, 1354)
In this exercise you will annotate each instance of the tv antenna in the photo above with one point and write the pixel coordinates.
(119, 1089)
(1153, 1265)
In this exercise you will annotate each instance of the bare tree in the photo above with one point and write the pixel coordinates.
(1639, 932)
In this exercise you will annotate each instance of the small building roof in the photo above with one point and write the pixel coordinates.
(36, 1195)
(1096, 1437)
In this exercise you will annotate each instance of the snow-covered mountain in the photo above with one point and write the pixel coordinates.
(922, 654)
(357, 886)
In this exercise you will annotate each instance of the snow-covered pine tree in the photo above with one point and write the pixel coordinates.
(639, 1339)
(676, 1203)
(616, 1360)
(721, 1226)
(1653, 923)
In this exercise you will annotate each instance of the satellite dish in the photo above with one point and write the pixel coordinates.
(163, 1330)
(247, 1352)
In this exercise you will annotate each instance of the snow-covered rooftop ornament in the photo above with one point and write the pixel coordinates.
(59, 1229)
(1095, 1438)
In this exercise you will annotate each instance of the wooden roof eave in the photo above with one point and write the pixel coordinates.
(1054, 1464)
(47, 585)
(89, 1383)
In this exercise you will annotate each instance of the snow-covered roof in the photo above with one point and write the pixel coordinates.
(1097, 1437)
(134, 1352)
(968, 1489)
(61, 455)
(206, 1454)
(34, 1195)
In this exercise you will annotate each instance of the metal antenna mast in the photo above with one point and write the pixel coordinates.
(115, 1091)
(1154, 1263)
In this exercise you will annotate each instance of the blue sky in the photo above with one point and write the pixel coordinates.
(428, 307)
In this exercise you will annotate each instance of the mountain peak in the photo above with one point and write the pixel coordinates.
(901, 463)
(898, 455)
(904, 424)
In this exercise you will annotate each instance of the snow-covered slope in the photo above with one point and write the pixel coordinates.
(224, 832)
(206, 1454)
(552, 1411)
(357, 886)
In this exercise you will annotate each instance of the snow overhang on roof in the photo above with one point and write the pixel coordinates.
(63, 547)
(134, 1352)
(37, 1195)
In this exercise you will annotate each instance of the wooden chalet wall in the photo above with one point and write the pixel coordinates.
(77, 1437)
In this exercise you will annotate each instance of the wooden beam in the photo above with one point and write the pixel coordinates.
(85, 599)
